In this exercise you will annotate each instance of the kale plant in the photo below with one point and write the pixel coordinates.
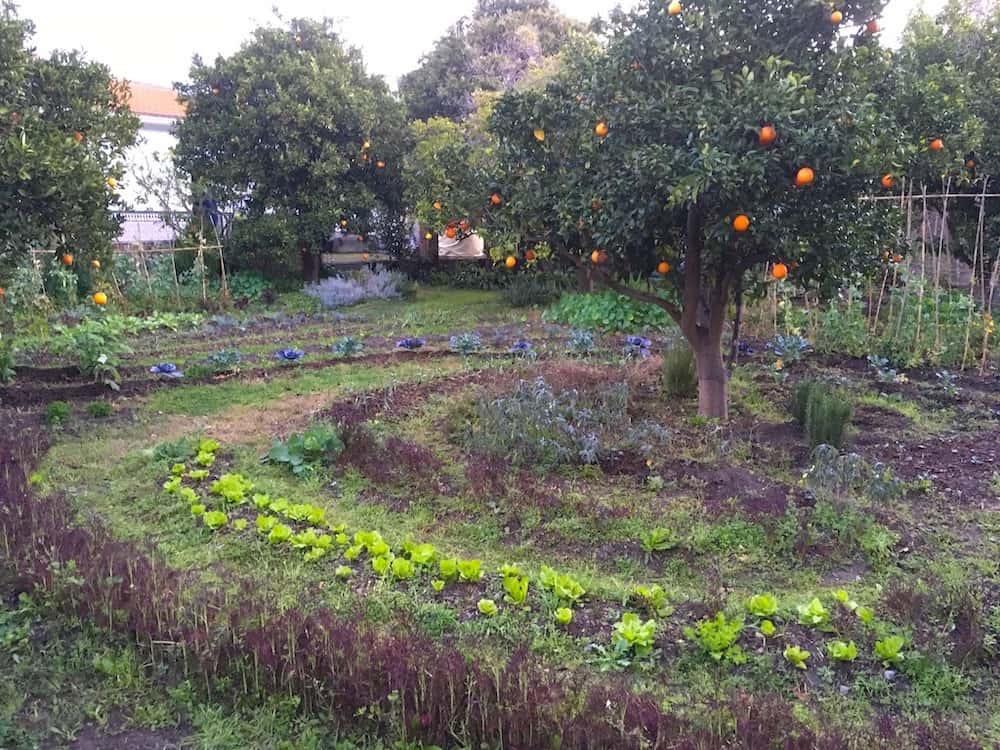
(466, 344)
(304, 452)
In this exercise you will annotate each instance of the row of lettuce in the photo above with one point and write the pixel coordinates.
(229, 500)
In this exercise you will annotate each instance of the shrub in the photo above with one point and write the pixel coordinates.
(533, 290)
(680, 376)
(536, 426)
(607, 311)
(359, 286)
(100, 409)
(247, 285)
(7, 373)
(265, 244)
(57, 413)
(825, 413)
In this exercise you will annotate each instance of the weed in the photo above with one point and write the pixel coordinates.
(680, 377)
(57, 413)
(100, 409)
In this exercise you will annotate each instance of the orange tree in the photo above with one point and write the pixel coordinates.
(292, 132)
(649, 148)
(64, 128)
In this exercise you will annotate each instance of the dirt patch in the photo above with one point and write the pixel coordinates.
(93, 738)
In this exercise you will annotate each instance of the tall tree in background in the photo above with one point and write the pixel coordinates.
(64, 127)
(720, 138)
(293, 133)
(491, 51)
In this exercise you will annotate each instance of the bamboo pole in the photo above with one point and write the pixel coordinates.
(923, 265)
(909, 233)
(977, 253)
(937, 269)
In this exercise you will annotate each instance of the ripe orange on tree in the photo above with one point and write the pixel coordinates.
(67, 259)
(539, 135)
(779, 271)
(100, 298)
(663, 268)
(78, 136)
(495, 199)
(380, 164)
(595, 257)
(428, 236)
(888, 181)
(112, 183)
(741, 223)
(510, 262)
(438, 205)
(804, 177)
(936, 145)
(95, 264)
(343, 222)
(601, 129)
(836, 17)
(767, 135)
(897, 258)
(675, 8)
(364, 257)
(530, 255)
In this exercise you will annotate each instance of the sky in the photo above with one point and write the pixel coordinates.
(152, 41)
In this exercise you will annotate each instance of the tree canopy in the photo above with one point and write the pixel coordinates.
(491, 51)
(64, 127)
(292, 129)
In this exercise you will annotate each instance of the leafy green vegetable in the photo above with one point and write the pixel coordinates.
(718, 638)
(232, 487)
(240, 524)
(516, 588)
(353, 552)
(266, 523)
(438, 585)
(280, 533)
(448, 569)
(207, 445)
(658, 540)
(865, 614)
(178, 470)
(890, 650)
(632, 636)
(303, 453)
(841, 651)
(564, 615)
(172, 486)
(261, 502)
(188, 495)
(767, 628)
(487, 607)
(343, 571)
(198, 475)
(813, 614)
(510, 570)
(654, 598)
(381, 564)
(205, 459)
(197, 509)
(421, 554)
(562, 585)
(403, 569)
(844, 599)
(763, 605)
(470, 571)
(797, 656)
(215, 519)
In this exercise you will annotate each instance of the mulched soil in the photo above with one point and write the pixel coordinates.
(94, 738)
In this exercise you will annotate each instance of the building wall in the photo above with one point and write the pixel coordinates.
(155, 137)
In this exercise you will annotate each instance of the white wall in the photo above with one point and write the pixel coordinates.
(154, 137)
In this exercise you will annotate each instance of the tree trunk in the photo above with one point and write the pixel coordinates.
(713, 385)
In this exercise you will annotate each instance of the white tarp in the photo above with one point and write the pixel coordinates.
(470, 247)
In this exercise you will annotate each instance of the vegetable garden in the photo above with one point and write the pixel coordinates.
(715, 470)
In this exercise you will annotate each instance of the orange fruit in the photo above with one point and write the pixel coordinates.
(438, 205)
(429, 236)
(1, 292)
(539, 135)
(767, 135)
(937, 144)
(366, 145)
(95, 264)
(112, 183)
(510, 262)
(364, 257)
(595, 257)
(897, 258)
(67, 259)
(530, 255)
(495, 199)
(741, 223)
(78, 136)
(100, 298)
(675, 8)
(779, 271)
(343, 222)
(872, 26)
(836, 17)
(663, 268)
(451, 233)
(601, 129)
(804, 177)
(888, 181)
(380, 164)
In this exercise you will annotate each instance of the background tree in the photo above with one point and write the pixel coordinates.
(501, 43)
(64, 127)
(291, 130)
(654, 146)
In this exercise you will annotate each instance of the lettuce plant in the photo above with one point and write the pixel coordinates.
(470, 571)
(813, 614)
(658, 540)
(215, 519)
(438, 585)
(633, 637)
(233, 488)
(178, 470)
(279, 533)
(563, 586)
(844, 599)
(797, 657)
(890, 650)
(448, 569)
(204, 459)
(188, 495)
(403, 569)
(421, 554)
(487, 607)
(240, 524)
(381, 564)
(865, 614)
(516, 589)
(353, 552)
(266, 523)
(654, 598)
(172, 486)
(718, 638)
(372, 543)
(197, 510)
(767, 628)
(343, 572)
(763, 605)
(508, 569)
(198, 475)
(261, 502)
(207, 445)
(564, 615)
(841, 651)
